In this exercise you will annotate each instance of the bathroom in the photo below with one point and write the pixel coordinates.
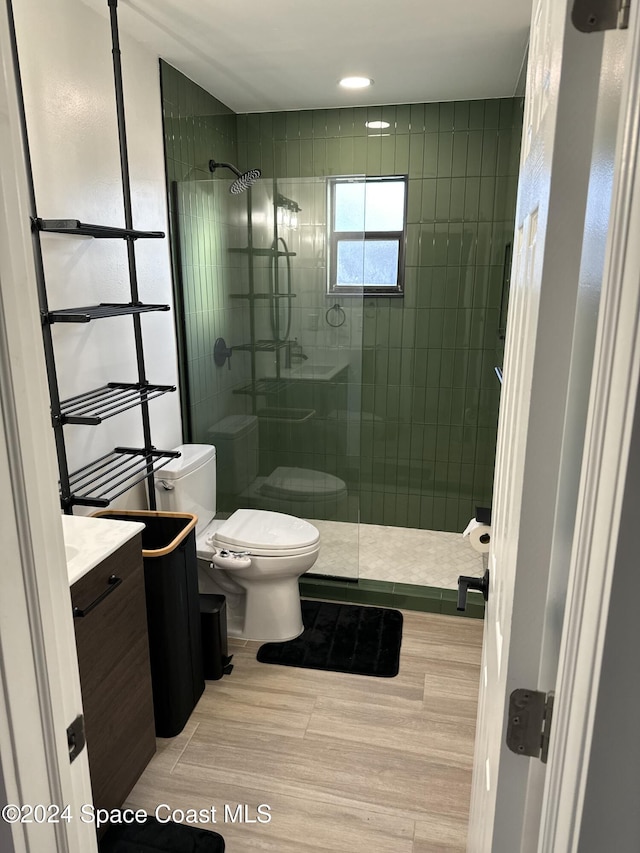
(409, 429)
(415, 420)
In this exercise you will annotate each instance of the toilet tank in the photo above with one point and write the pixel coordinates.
(188, 483)
(236, 440)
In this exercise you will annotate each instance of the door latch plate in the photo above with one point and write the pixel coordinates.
(529, 723)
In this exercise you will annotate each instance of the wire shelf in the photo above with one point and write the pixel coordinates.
(102, 481)
(262, 346)
(98, 312)
(84, 229)
(264, 386)
(112, 399)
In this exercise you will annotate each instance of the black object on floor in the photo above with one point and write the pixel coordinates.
(342, 638)
(155, 837)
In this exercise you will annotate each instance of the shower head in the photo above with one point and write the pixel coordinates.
(243, 180)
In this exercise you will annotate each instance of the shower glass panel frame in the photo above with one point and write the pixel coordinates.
(284, 409)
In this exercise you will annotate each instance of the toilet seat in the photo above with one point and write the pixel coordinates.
(261, 533)
(302, 484)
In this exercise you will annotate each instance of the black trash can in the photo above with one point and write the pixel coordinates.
(173, 613)
(216, 660)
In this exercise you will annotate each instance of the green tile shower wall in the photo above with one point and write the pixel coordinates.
(197, 128)
(429, 392)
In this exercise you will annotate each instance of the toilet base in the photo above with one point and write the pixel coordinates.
(272, 617)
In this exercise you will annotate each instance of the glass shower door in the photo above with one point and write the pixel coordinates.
(283, 409)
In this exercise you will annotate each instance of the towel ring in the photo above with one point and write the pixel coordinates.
(341, 316)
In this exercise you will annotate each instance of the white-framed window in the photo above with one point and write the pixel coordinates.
(367, 235)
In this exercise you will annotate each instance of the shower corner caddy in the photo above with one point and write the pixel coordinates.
(106, 478)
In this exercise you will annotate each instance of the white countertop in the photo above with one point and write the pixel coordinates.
(88, 541)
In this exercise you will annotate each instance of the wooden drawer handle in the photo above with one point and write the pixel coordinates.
(113, 583)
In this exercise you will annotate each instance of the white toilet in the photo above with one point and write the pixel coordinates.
(254, 558)
(308, 493)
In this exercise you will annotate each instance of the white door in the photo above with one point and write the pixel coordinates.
(537, 429)
(39, 681)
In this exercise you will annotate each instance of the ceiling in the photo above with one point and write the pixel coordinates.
(288, 55)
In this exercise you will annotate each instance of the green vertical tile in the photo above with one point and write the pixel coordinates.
(428, 200)
(333, 123)
(333, 156)
(359, 121)
(403, 119)
(319, 124)
(345, 117)
(489, 153)
(459, 155)
(306, 158)
(476, 115)
(359, 155)
(492, 114)
(293, 158)
(401, 162)
(319, 156)
(430, 164)
(292, 125)
(445, 154)
(474, 153)
(443, 198)
(387, 154)
(446, 116)
(417, 118)
(416, 155)
(346, 156)
(461, 115)
(457, 204)
(431, 117)
(305, 124)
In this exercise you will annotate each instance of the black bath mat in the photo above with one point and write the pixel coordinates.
(155, 837)
(342, 638)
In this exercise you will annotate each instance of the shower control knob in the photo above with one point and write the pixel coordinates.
(465, 583)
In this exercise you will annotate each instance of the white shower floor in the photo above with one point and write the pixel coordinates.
(395, 554)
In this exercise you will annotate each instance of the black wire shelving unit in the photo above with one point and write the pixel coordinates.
(106, 478)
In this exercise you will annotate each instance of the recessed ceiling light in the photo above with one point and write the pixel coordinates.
(356, 82)
(376, 125)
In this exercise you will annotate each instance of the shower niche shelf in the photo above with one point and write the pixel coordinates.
(101, 481)
(83, 229)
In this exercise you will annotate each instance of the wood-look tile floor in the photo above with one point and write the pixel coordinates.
(346, 763)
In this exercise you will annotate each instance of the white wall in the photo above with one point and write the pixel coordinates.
(67, 75)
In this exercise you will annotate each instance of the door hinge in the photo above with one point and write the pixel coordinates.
(76, 738)
(529, 723)
(595, 16)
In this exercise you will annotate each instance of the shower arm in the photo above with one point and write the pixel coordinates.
(213, 166)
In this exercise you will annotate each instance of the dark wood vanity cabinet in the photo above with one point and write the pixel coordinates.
(113, 656)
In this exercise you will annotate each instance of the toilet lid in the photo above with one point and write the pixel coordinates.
(301, 483)
(268, 532)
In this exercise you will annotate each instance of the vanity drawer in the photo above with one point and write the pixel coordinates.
(115, 677)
